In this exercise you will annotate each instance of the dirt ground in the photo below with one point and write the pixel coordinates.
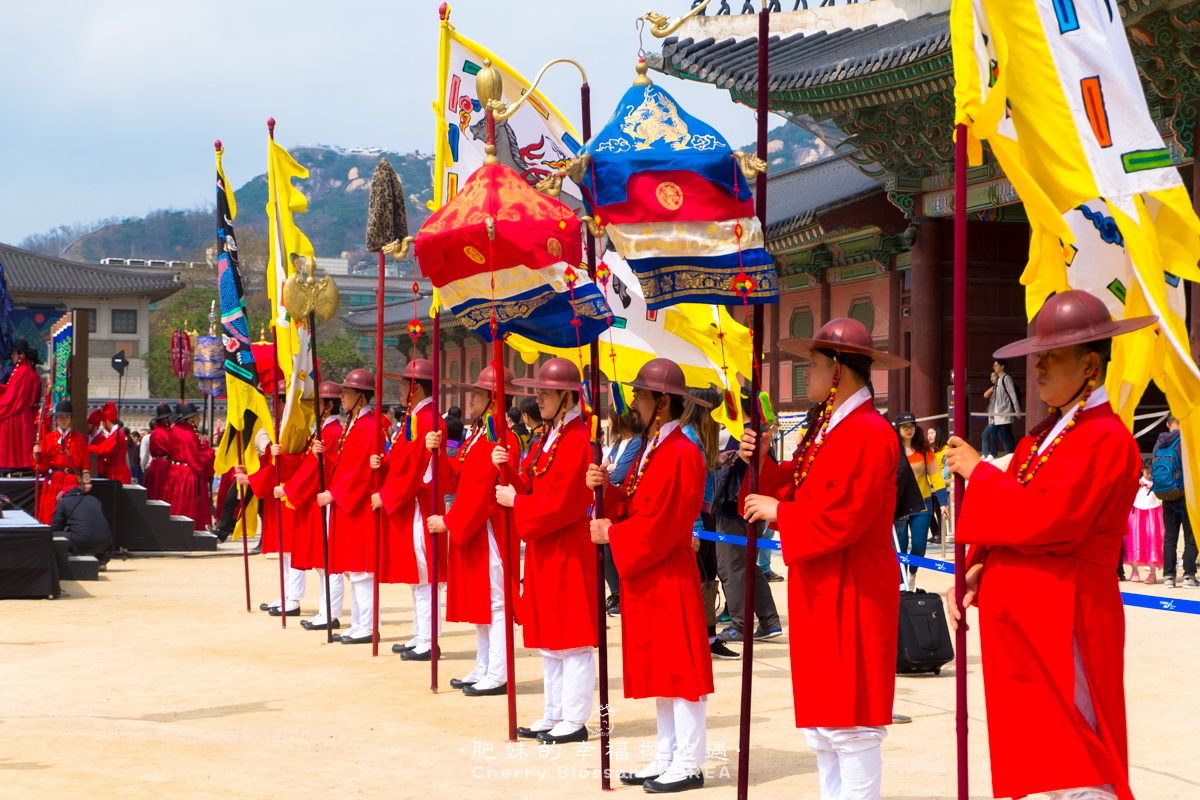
(155, 682)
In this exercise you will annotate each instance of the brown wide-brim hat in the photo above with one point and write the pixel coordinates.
(1070, 318)
(844, 336)
(485, 381)
(420, 369)
(664, 376)
(558, 374)
(329, 390)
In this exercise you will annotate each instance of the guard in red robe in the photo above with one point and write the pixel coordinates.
(308, 535)
(834, 504)
(406, 551)
(351, 522)
(189, 482)
(475, 579)
(558, 609)
(664, 635)
(160, 453)
(63, 454)
(112, 458)
(18, 409)
(1045, 539)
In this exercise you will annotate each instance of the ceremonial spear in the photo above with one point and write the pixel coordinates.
(312, 300)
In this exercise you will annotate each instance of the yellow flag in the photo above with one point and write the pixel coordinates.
(288, 246)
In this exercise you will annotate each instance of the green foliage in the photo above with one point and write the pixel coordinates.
(338, 355)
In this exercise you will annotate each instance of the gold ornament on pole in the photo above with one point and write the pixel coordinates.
(661, 26)
(304, 295)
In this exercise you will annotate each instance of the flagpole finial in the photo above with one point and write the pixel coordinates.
(271, 127)
(444, 12)
(217, 145)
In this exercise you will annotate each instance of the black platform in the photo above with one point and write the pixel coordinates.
(27, 563)
(137, 523)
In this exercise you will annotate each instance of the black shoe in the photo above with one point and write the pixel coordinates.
(221, 535)
(772, 576)
(455, 683)
(695, 781)
(294, 612)
(580, 735)
(470, 691)
(264, 606)
(762, 634)
(412, 655)
(403, 648)
(719, 650)
(344, 639)
(528, 733)
(613, 606)
(631, 779)
(308, 626)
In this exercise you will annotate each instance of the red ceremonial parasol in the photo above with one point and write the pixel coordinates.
(181, 359)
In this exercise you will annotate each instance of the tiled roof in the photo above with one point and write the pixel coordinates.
(803, 190)
(801, 61)
(33, 273)
(396, 316)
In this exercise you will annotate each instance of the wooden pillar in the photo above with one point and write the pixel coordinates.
(928, 391)
(896, 400)
(825, 302)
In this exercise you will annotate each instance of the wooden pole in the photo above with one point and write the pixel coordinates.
(377, 449)
(437, 501)
(242, 513)
(743, 777)
(960, 429)
(598, 501)
(275, 378)
(317, 406)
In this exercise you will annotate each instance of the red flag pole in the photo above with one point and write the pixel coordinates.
(437, 498)
(275, 378)
(960, 429)
(320, 418)
(585, 93)
(743, 778)
(242, 513)
(377, 448)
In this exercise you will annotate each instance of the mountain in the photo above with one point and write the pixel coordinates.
(338, 188)
(791, 146)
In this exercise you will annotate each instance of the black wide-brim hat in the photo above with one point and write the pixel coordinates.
(64, 407)
(843, 335)
(1069, 318)
(164, 411)
(185, 411)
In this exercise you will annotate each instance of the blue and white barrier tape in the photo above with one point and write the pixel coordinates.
(1137, 600)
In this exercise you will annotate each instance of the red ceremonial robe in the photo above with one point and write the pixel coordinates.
(64, 455)
(308, 550)
(559, 604)
(160, 463)
(262, 483)
(111, 456)
(188, 482)
(1050, 553)
(471, 477)
(664, 638)
(403, 491)
(352, 523)
(843, 586)
(17, 416)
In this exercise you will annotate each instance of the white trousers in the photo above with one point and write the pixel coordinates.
(568, 680)
(294, 584)
(682, 735)
(491, 648)
(362, 603)
(1083, 702)
(422, 641)
(337, 594)
(849, 761)
(419, 546)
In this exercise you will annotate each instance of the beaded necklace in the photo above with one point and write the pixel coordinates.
(1025, 473)
(631, 487)
(540, 469)
(466, 448)
(804, 463)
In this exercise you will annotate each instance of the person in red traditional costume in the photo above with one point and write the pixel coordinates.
(112, 458)
(189, 481)
(95, 432)
(351, 522)
(262, 483)
(664, 635)
(475, 578)
(834, 504)
(307, 538)
(63, 453)
(405, 501)
(18, 409)
(160, 453)
(558, 609)
(1045, 539)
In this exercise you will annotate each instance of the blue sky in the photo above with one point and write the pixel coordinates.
(110, 107)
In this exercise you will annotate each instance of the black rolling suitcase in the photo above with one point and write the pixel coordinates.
(924, 643)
